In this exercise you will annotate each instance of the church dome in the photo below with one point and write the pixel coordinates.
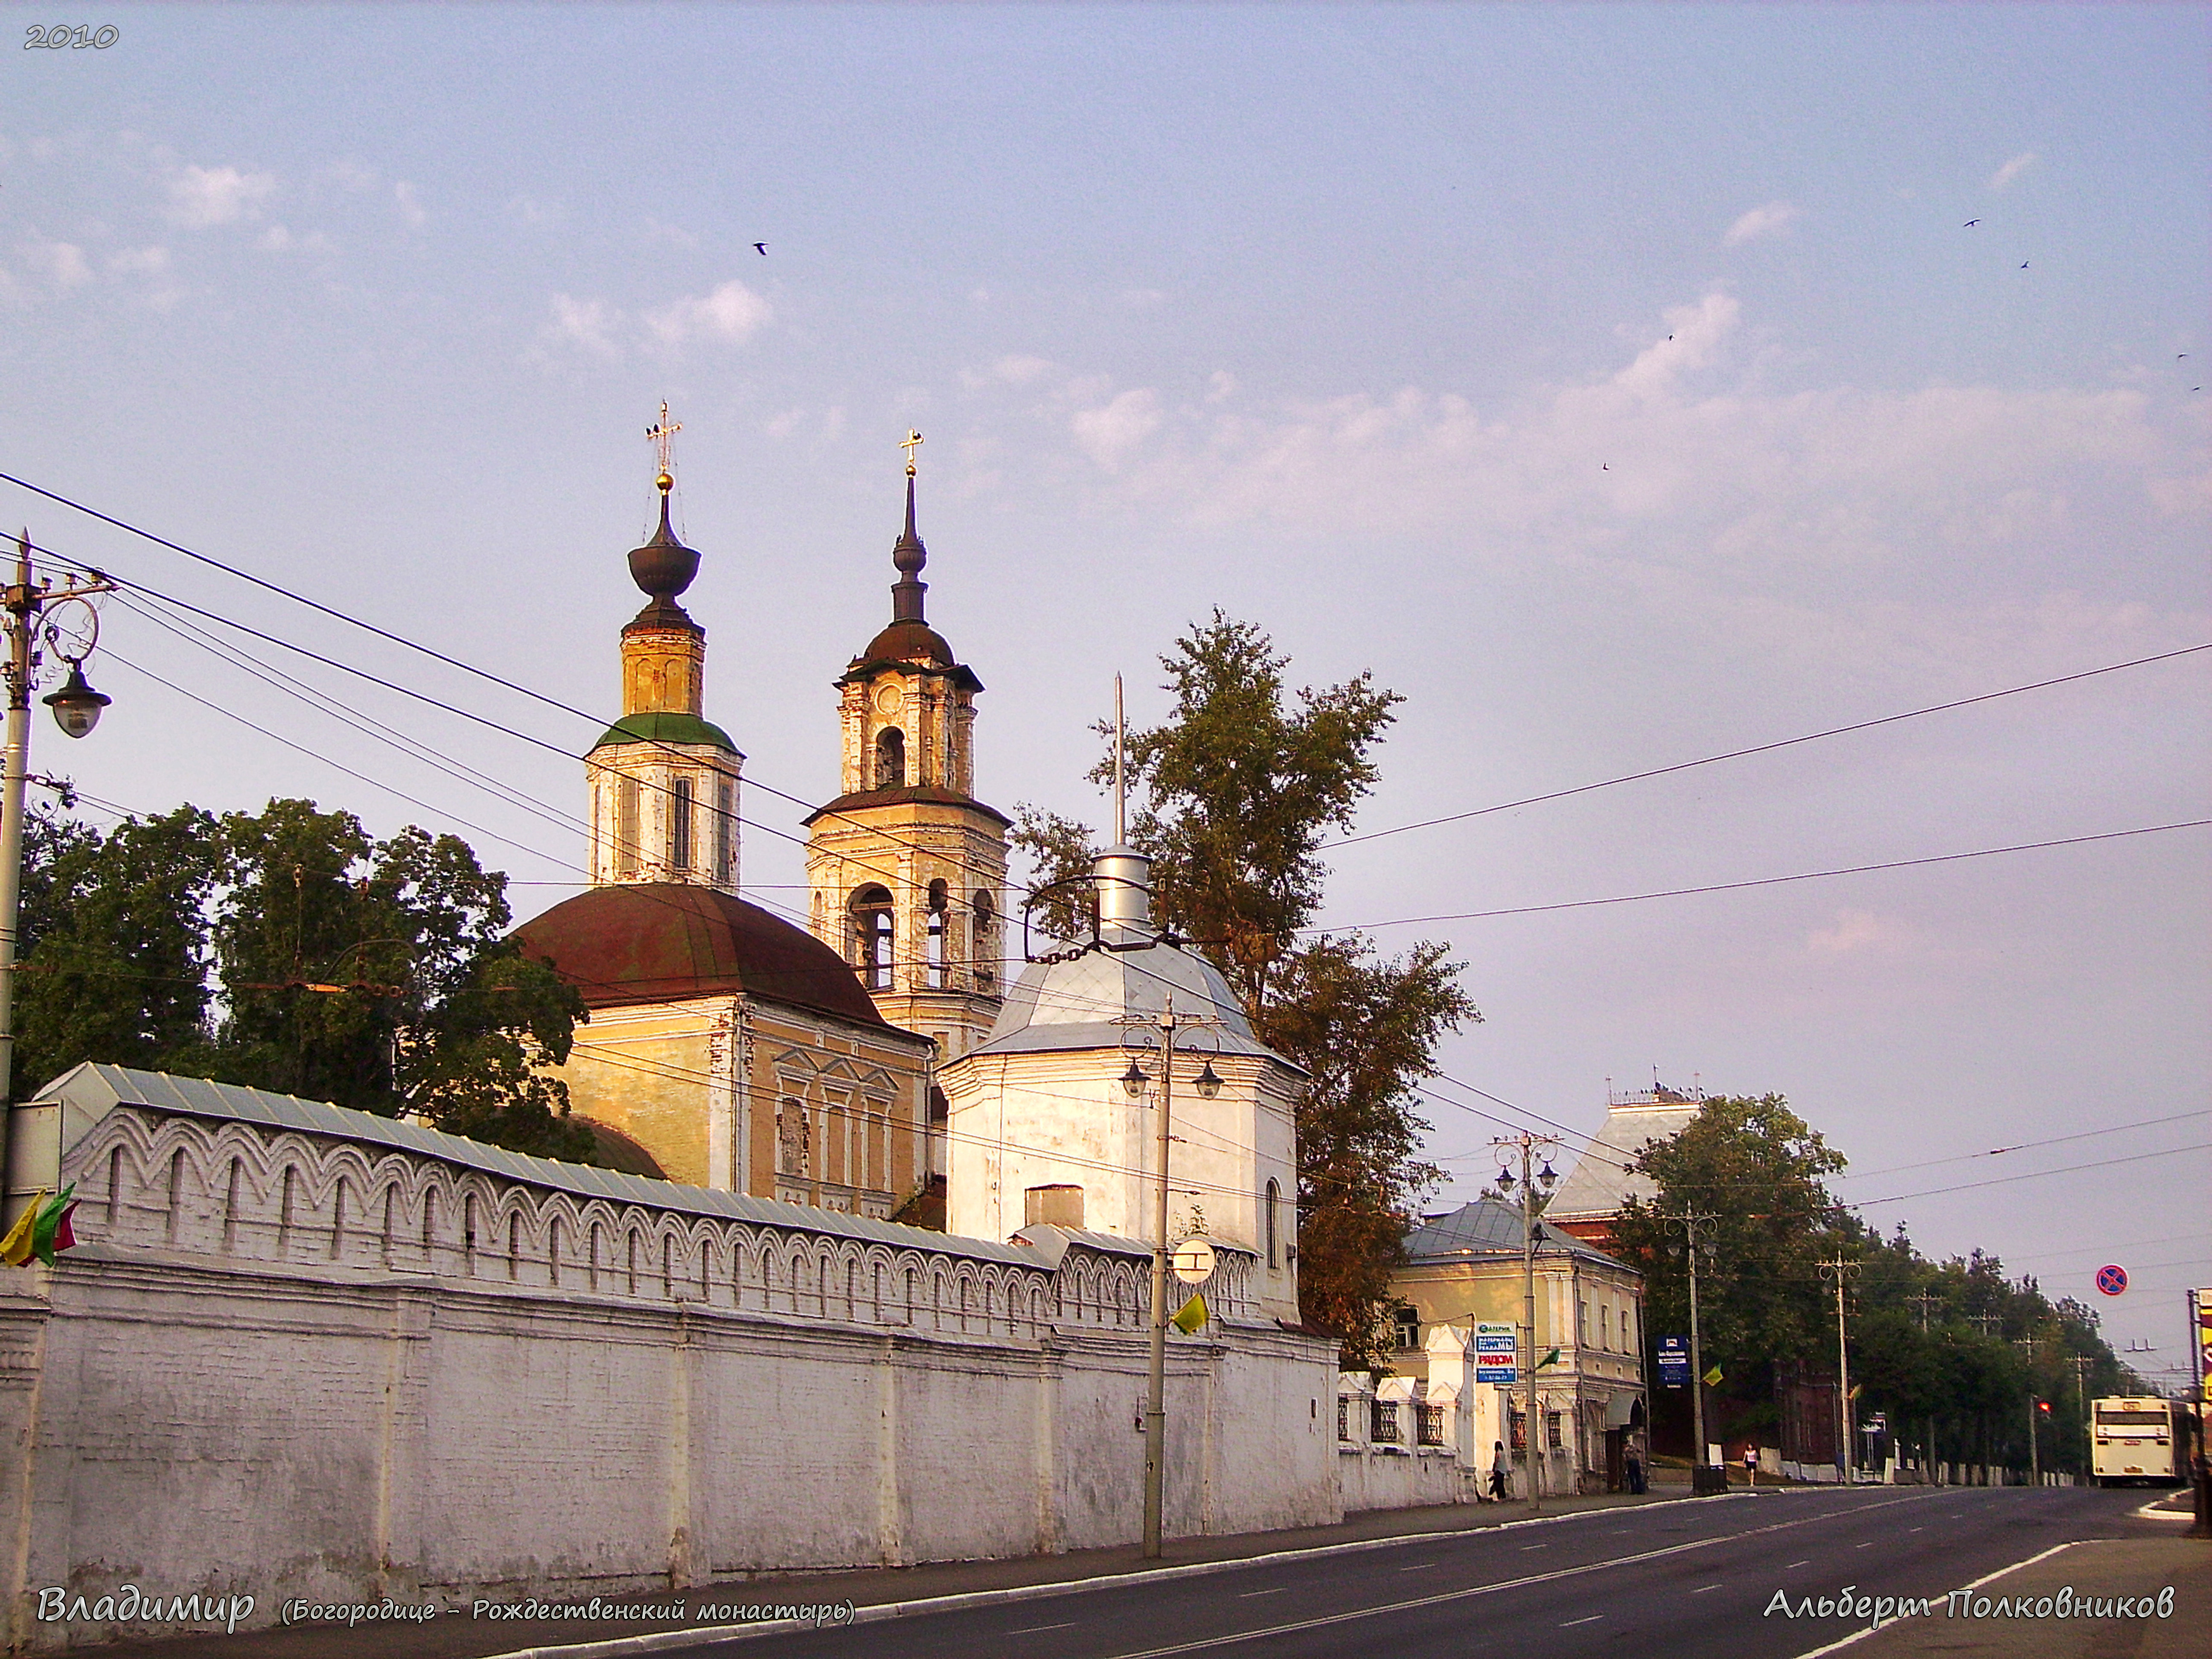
(1060, 1007)
(665, 942)
(910, 641)
(663, 566)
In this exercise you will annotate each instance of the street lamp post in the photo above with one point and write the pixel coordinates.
(1528, 1145)
(1847, 1447)
(32, 634)
(1688, 1222)
(1167, 1023)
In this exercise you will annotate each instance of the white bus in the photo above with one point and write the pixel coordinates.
(2137, 1439)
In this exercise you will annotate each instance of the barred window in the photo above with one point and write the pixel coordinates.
(1386, 1423)
(1343, 1418)
(1429, 1425)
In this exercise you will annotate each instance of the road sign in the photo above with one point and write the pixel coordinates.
(2112, 1278)
(1193, 1262)
(1496, 1354)
(1674, 1362)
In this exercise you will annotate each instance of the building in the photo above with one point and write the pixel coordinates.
(1044, 1128)
(727, 1047)
(1601, 1182)
(1464, 1268)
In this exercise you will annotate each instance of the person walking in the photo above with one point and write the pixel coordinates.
(1500, 1465)
(1635, 1475)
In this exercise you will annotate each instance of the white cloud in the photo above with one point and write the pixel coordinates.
(732, 314)
(279, 239)
(201, 197)
(1694, 337)
(1107, 435)
(1220, 386)
(1772, 220)
(586, 323)
(403, 193)
(139, 262)
(1855, 930)
(62, 263)
(2012, 169)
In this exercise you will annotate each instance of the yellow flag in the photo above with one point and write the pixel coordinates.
(1713, 1377)
(1190, 1315)
(15, 1249)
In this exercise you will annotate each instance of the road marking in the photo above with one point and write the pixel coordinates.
(1418, 1566)
(1808, 1561)
(1916, 1529)
(1032, 1630)
(1525, 1548)
(1246, 1595)
(1412, 1604)
(1592, 1620)
(1987, 1577)
(1702, 1589)
(1866, 1545)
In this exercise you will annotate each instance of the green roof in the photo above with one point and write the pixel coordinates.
(665, 727)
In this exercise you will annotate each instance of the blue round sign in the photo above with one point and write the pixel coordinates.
(2112, 1278)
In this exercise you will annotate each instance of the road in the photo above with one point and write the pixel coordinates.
(1689, 1579)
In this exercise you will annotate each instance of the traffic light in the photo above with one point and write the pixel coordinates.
(2043, 1408)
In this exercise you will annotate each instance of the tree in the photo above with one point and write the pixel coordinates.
(1236, 789)
(286, 949)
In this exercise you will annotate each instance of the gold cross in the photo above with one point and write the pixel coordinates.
(662, 436)
(907, 443)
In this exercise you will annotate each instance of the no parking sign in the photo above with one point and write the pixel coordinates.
(2112, 1278)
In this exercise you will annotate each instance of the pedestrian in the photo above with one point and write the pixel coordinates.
(1635, 1475)
(1499, 1465)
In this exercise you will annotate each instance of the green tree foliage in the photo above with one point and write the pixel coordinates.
(286, 949)
(1236, 790)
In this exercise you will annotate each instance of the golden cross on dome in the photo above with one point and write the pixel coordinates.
(662, 436)
(908, 444)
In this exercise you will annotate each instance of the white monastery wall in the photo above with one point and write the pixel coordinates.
(282, 1363)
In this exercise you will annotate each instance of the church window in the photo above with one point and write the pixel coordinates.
(872, 937)
(985, 952)
(626, 827)
(890, 758)
(793, 1149)
(725, 828)
(679, 824)
(1272, 1220)
(940, 902)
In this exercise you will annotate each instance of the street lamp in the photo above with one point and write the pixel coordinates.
(32, 634)
(1528, 1144)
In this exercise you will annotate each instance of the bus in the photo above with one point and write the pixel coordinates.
(2140, 1440)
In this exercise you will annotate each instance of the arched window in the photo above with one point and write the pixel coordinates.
(940, 901)
(626, 827)
(726, 829)
(890, 758)
(1272, 1222)
(872, 937)
(679, 824)
(986, 951)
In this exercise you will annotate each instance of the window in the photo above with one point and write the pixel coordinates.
(626, 827)
(725, 836)
(1552, 1431)
(679, 824)
(1271, 1219)
(1582, 1325)
(1407, 1322)
(1343, 1418)
(890, 758)
(793, 1140)
(940, 904)
(985, 953)
(1385, 1423)
(1429, 1425)
(1605, 1329)
(872, 937)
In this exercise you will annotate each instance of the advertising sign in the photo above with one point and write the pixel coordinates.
(1495, 1352)
(2201, 1327)
(1674, 1362)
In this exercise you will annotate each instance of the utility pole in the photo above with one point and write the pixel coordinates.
(1846, 1449)
(1689, 1222)
(1528, 1145)
(31, 633)
(2081, 1398)
(2027, 1346)
(1927, 1300)
(1167, 1023)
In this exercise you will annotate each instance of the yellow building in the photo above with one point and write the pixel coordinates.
(726, 1046)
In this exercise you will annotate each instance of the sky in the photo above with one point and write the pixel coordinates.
(1621, 385)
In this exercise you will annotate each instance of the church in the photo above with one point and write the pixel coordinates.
(876, 1060)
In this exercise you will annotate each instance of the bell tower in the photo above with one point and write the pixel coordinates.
(907, 869)
(663, 781)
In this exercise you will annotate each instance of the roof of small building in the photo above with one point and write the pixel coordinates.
(93, 1090)
(1486, 1228)
(643, 942)
(1600, 1184)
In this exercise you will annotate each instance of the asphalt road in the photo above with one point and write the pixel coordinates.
(1679, 1579)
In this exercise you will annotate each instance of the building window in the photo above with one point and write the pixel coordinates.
(1551, 1431)
(890, 758)
(1271, 1212)
(626, 811)
(679, 824)
(793, 1139)
(1518, 1439)
(1582, 1325)
(872, 937)
(986, 952)
(940, 902)
(725, 828)
(1407, 1323)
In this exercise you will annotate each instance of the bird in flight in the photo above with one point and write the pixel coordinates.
(763, 246)
(1604, 466)
(1970, 224)
(2023, 264)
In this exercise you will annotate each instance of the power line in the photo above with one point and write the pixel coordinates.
(1994, 1151)
(1766, 748)
(2031, 1174)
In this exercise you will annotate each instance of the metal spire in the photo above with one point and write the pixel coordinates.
(907, 553)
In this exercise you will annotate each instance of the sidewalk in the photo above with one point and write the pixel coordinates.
(456, 1635)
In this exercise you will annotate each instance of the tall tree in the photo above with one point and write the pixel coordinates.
(1237, 789)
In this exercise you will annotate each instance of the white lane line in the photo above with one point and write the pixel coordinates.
(1592, 1620)
(1525, 1548)
(1916, 1529)
(1987, 1577)
(1418, 1566)
(1806, 1562)
(1866, 1545)
(1412, 1604)
(1031, 1630)
(1246, 1595)
(1702, 1589)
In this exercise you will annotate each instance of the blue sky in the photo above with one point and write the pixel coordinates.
(1621, 384)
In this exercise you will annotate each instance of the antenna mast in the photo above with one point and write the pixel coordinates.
(1121, 814)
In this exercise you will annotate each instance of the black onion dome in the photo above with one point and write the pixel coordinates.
(663, 566)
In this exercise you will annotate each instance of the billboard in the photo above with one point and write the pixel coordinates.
(1674, 1362)
(1495, 1348)
(2200, 1335)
